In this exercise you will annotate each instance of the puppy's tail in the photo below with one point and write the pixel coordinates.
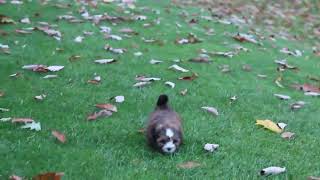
(163, 101)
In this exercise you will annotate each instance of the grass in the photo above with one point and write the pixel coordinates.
(111, 148)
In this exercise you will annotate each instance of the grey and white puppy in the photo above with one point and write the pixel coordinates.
(164, 130)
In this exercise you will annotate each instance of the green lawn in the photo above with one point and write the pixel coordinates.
(111, 148)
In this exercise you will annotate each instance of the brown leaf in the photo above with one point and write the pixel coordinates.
(49, 176)
(287, 135)
(189, 165)
(61, 137)
(96, 115)
(92, 81)
(313, 178)
(21, 31)
(3, 33)
(184, 92)
(108, 107)
(2, 93)
(200, 60)
(306, 88)
(22, 120)
(74, 58)
(15, 177)
(6, 20)
(189, 78)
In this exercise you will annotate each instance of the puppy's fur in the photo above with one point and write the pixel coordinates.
(164, 131)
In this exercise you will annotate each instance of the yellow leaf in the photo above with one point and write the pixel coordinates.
(269, 125)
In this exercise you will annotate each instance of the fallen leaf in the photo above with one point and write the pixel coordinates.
(61, 137)
(141, 84)
(138, 54)
(307, 88)
(313, 178)
(211, 147)
(272, 171)
(297, 105)
(25, 20)
(312, 94)
(22, 120)
(74, 58)
(5, 119)
(15, 177)
(105, 61)
(2, 93)
(189, 78)
(4, 109)
(118, 99)
(128, 31)
(246, 67)
(153, 61)
(142, 130)
(40, 97)
(32, 126)
(147, 79)
(49, 176)
(101, 113)
(184, 92)
(171, 84)
(225, 68)
(228, 54)
(211, 110)
(78, 39)
(55, 68)
(268, 124)
(288, 135)
(245, 38)
(21, 31)
(114, 50)
(282, 97)
(108, 107)
(262, 76)
(277, 81)
(188, 165)
(200, 60)
(178, 68)
(282, 125)
(50, 76)
(6, 20)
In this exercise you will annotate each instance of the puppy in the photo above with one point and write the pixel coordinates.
(164, 131)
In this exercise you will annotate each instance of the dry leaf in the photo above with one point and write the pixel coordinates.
(74, 58)
(101, 113)
(282, 125)
(141, 84)
(313, 178)
(119, 99)
(61, 137)
(288, 135)
(22, 120)
(32, 126)
(297, 105)
(78, 39)
(146, 79)
(184, 92)
(105, 61)
(178, 68)
(2, 93)
(282, 97)
(200, 60)
(189, 165)
(55, 68)
(211, 110)
(211, 147)
(153, 61)
(272, 171)
(108, 107)
(171, 84)
(40, 97)
(269, 125)
(312, 94)
(307, 88)
(50, 76)
(15, 177)
(189, 78)
(6, 20)
(138, 54)
(25, 20)
(278, 80)
(5, 119)
(114, 50)
(246, 67)
(49, 176)
(4, 110)
(245, 38)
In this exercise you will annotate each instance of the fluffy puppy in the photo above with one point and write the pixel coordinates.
(164, 131)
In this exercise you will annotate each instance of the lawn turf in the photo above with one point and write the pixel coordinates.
(111, 148)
